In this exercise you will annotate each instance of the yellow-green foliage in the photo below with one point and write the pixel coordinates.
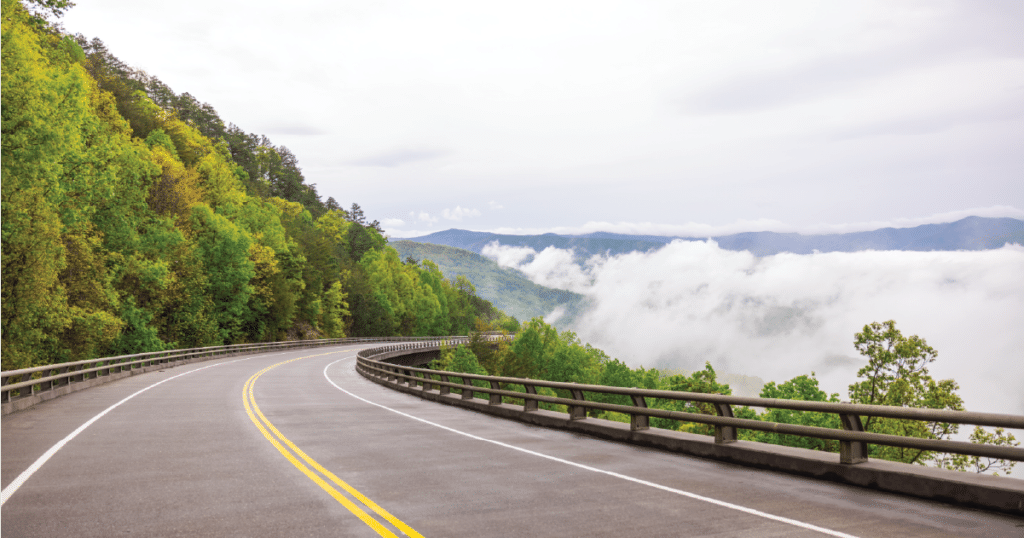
(334, 312)
(178, 188)
(65, 153)
(127, 229)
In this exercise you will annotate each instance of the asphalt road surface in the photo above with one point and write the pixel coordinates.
(297, 444)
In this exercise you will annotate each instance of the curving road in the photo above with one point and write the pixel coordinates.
(298, 444)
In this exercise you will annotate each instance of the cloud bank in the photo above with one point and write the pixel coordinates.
(780, 316)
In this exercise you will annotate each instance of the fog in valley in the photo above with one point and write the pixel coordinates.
(785, 315)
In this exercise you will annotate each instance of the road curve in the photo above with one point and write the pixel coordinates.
(191, 456)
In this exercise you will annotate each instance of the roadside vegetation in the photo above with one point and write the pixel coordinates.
(896, 374)
(135, 219)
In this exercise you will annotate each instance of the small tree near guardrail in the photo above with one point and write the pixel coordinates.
(976, 464)
(897, 375)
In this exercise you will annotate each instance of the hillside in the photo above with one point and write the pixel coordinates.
(506, 289)
(584, 246)
(971, 233)
(135, 219)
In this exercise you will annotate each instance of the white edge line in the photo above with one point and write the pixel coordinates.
(17, 483)
(751, 511)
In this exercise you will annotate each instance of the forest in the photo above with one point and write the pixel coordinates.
(135, 219)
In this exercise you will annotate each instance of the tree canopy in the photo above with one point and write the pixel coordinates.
(135, 219)
(896, 374)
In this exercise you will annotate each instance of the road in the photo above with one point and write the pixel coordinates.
(190, 455)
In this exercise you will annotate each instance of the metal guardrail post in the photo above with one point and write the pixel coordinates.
(851, 452)
(495, 399)
(724, 434)
(577, 412)
(639, 422)
(530, 404)
(63, 381)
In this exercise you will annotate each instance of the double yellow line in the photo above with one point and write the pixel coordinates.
(280, 441)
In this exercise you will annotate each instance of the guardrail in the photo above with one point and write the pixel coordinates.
(853, 466)
(852, 438)
(42, 381)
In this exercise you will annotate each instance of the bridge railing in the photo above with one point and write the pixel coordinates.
(29, 382)
(852, 438)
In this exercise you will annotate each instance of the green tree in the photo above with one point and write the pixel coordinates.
(615, 373)
(978, 464)
(533, 344)
(703, 381)
(897, 375)
(508, 324)
(462, 360)
(802, 388)
(186, 317)
(460, 307)
(224, 250)
(431, 276)
(42, 9)
(573, 362)
(335, 310)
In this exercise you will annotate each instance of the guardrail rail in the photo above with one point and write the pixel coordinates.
(1006, 494)
(27, 386)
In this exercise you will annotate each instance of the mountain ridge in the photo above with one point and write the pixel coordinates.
(507, 289)
(970, 233)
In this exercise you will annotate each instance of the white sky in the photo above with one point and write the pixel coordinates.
(693, 118)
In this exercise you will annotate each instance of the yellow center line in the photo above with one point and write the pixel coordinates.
(253, 411)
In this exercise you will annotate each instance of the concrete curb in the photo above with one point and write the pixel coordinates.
(987, 492)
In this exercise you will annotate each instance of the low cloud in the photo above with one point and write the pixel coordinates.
(393, 222)
(551, 267)
(459, 213)
(509, 256)
(781, 316)
(495, 205)
(555, 315)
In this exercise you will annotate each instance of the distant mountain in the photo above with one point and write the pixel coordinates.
(585, 246)
(507, 289)
(971, 233)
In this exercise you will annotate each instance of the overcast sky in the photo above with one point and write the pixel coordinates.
(694, 118)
